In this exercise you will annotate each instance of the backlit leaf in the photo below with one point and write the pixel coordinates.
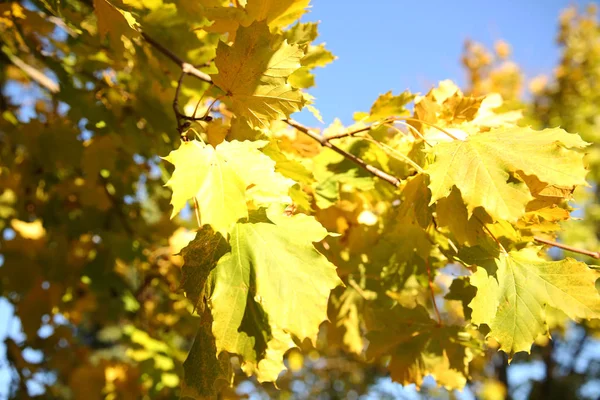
(223, 179)
(481, 167)
(512, 299)
(253, 74)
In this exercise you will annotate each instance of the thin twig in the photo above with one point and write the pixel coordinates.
(413, 129)
(392, 180)
(179, 116)
(593, 254)
(387, 121)
(349, 133)
(437, 312)
(39, 77)
(359, 290)
(189, 69)
(180, 127)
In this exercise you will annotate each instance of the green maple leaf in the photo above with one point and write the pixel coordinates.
(272, 284)
(223, 179)
(512, 299)
(253, 74)
(482, 167)
(275, 263)
(419, 347)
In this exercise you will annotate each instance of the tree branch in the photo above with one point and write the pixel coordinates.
(392, 180)
(350, 133)
(39, 77)
(189, 69)
(593, 254)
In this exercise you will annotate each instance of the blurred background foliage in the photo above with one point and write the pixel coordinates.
(90, 297)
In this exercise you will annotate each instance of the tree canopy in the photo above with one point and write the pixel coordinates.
(170, 231)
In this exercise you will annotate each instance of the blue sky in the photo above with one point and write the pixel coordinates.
(396, 45)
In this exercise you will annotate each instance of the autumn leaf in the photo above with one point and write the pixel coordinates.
(419, 347)
(204, 373)
(276, 13)
(512, 299)
(387, 105)
(200, 257)
(253, 74)
(223, 179)
(114, 23)
(281, 257)
(483, 166)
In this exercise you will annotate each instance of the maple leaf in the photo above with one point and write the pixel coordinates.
(204, 374)
(114, 23)
(284, 264)
(317, 56)
(452, 213)
(415, 198)
(387, 105)
(276, 13)
(269, 368)
(274, 273)
(223, 179)
(253, 74)
(346, 317)
(200, 256)
(481, 167)
(302, 32)
(419, 347)
(514, 290)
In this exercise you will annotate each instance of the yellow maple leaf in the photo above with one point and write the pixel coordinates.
(253, 74)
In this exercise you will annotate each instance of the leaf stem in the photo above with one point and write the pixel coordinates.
(589, 253)
(414, 130)
(426, 123)
(395, 153)
(197, 212)
(389, 120)
(430, 281)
